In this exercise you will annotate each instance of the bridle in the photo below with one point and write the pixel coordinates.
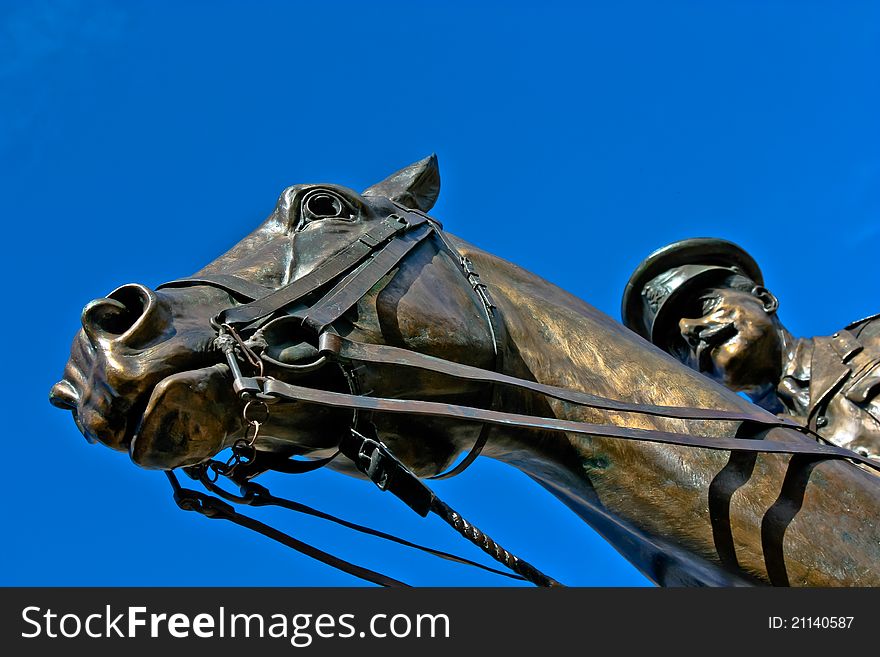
(315, 302)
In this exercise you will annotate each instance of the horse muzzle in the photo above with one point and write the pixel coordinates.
(140, 353)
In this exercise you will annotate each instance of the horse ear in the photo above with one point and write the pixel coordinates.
(416, 186)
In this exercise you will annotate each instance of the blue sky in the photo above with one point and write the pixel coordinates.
(573, 139)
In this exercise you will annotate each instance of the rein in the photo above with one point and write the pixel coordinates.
(319, 299)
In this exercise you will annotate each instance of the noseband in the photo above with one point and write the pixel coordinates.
(320, 298)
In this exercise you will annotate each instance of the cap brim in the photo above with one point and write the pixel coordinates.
(708, 251)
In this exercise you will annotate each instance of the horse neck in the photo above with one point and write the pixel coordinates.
(655, 502)
(557, 339)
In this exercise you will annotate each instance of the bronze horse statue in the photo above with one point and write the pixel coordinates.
(580, 404)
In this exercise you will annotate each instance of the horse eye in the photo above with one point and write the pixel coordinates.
(324, 205)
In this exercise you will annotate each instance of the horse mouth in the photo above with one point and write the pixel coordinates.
(100, 418)
(181, 420)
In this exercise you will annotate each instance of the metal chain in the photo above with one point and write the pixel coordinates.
(244, 450)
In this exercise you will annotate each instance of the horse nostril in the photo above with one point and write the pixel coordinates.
(63, 396)
(119, 312)
(107, 316)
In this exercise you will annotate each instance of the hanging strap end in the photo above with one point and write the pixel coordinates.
(377, 462)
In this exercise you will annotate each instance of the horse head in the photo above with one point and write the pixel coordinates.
(145, 374)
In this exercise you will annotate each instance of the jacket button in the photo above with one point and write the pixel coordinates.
(821, 421)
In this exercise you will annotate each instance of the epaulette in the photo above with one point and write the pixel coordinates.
(859, 322)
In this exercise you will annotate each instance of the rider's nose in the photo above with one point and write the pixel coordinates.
(130, 313)
(691, 329)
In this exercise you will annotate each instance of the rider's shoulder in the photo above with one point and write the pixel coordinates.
(862, 323)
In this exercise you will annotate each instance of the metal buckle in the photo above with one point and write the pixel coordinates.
(245, 387)
(382, 234)
(479, 286)
(369, 240)
(372, 461)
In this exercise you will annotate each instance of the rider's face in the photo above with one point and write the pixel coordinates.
(733, 338)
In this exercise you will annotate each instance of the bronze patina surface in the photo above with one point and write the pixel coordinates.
(703, 300)
(146, 376)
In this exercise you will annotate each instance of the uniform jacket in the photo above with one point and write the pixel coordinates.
(832, 385)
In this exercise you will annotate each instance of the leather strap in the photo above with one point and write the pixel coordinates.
(325, 273)
(212, 507)
(498, 332)
(255, 495)
(263, 461)
(353, 288)
(291, 392)
(263, 497)
(239, 288)
(350, 350)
